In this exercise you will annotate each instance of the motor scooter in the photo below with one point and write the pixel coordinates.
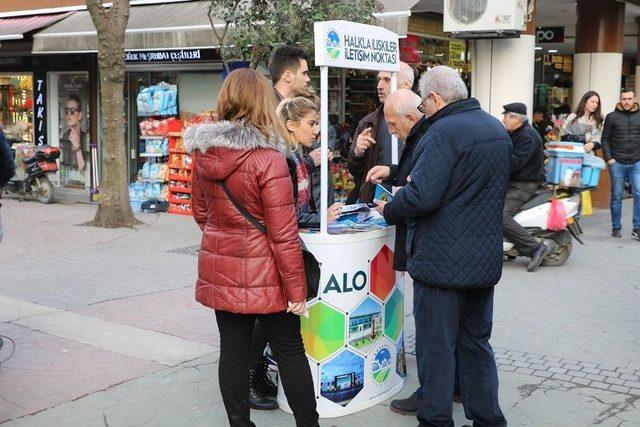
(533, 217)
(35, 183)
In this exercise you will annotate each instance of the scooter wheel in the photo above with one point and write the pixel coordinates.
(43, 190)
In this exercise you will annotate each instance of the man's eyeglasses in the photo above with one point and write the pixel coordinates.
(421, 106)
(71, 110)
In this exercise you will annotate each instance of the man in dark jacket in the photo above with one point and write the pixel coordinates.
(405, 121)
(371, 141)
(453, 204)
(526, 174)
(621, 149)
(7, 167)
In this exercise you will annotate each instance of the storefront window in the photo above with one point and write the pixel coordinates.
(16, 107)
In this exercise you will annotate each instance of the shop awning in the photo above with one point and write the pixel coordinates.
(160, 26)
(395, 15)
(16, 28)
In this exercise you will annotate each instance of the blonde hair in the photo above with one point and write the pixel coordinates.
(294, 109)
(247, 96)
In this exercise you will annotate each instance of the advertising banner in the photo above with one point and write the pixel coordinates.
(75, 150)
(353, 336)
(344, 44)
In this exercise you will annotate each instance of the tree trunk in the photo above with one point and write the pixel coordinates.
(114, 209)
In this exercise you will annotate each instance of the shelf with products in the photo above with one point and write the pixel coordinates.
(180, 170)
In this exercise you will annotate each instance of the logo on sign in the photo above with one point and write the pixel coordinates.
(357, 282)
(333, 44)
(381, 367)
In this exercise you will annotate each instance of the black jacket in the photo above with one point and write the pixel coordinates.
(311, 219)
(360, 166)
(621, 135)
(398, 178)
(454, 202)
(7, 165)
(527, 156)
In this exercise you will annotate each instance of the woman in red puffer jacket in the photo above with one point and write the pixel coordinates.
(244, 274)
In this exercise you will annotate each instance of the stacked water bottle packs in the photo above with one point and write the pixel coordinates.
(158, 100)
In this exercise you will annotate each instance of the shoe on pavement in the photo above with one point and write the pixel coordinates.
(263, 382)
(408, 406)
(537, 257)
(616, 233)
(636, 233)
(257, 400)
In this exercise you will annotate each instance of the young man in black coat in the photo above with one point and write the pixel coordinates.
(621, 148)
(453, 205)
(526, 175)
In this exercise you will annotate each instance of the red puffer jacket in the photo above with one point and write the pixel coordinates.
(240, 269)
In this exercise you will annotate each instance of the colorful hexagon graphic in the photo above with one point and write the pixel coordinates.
(381, 367)
(394, 315)
(323, 331)
(383, 277)
(342, 377)
(365, 325)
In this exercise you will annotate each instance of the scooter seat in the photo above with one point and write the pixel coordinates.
(541, 197)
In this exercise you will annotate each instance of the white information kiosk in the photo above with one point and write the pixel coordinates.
(353, 336)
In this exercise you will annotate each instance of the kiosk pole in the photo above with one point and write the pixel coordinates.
(394, 138)
(324, 147)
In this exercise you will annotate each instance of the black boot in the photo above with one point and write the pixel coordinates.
(256, 399)
(408, 406)
(263, 380)
(537, 257)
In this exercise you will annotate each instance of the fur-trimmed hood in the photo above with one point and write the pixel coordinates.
(225, 134)
(220, 148)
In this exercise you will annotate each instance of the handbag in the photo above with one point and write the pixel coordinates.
(311, 264)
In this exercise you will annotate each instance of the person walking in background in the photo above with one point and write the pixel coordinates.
(526, 176)
(245, 274)
(371, 141)
(300, 117)
(585, 125)
(621, 150)
(453, 207)
(541, 122)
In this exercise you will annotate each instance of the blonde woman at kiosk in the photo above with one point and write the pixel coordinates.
(300, 116)
(240, 178)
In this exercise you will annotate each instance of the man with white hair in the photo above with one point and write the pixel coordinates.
(405, 121)
(526, 176)
(372, 142)
(453, 208)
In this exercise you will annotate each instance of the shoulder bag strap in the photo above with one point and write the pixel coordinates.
(245, 213)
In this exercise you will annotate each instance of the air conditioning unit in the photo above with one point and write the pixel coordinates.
(484, 18)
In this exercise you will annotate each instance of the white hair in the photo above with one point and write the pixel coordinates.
(522, 117)
(444, 81)
(403, 102)
(406, 74)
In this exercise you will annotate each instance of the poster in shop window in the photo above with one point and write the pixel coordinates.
(73, 104)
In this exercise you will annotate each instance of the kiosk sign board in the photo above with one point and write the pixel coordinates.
(344, 44)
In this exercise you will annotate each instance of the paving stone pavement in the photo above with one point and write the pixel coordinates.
(566, 339)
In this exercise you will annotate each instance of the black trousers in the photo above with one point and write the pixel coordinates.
(518, 194)
(454, 326)
(258, 345)
(283, 332)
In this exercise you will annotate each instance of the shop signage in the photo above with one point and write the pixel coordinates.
(39, 108)
(344, 44)
(550, 34)
(409, 49)
(457, 51)
(179, 55)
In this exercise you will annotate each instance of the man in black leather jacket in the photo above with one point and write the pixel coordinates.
(526, 175)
